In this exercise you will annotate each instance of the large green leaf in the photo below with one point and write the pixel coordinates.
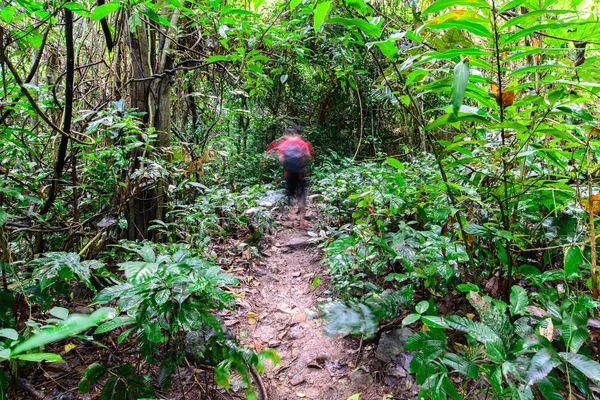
(440, 5)
(39, 357)
(548, 390)
(388, 48)
(459, 84)
(461, 364)
(510, 5)
(473, 27)
(410, 318)
(112, 292)
(585, 365)
(541, 364)
(114, 323)
(518, 300)
(105, 9)
(369, 29)
(166, 369)
(525, 32)
(574, 330)
(572, 261)
(222, 374)
(138, 272)
(73, 325)
(321, 11)
(532, 17)
(9, 333)
(90, 376)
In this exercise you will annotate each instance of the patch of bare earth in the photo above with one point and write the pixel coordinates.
(279, 310)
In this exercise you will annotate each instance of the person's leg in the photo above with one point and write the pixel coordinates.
(292, 189)
(302, 188)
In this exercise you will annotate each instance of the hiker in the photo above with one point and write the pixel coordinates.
(294, 155)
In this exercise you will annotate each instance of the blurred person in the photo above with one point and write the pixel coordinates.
(295, 154)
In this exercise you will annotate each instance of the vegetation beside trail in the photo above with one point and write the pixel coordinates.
(454, 189)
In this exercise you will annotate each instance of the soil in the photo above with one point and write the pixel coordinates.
(279, 310)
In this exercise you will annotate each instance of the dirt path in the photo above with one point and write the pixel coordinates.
(279, 311)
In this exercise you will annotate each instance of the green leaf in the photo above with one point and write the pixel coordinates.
(139, 271)
(39, 357)
(59, 312)
(105, 9)
(387, 48)
(166, 370)
(315, 282)
(321, 11)
(525, 32)
(73, 325)
(395, 163)
(467, 287)
(114, 323)
(572, 261)
(222, 374)
(549, 391)
(510, 5)
(459, 84)
(213, 59)
(124, 335)
(108, 390)
(90, 376)
(574, 330)
(434, 321)
(358, 5)
(294, 4)
(9, 333)
(585, 365)
(7, 13)
(443, 4)
(355, 396)
(474, 28)
(542, 362)
(410, 318)
(422, 306)
(518, 300)
(460, 364)
(532, 16)
(112, 292)
(268, 354)
(369, 29)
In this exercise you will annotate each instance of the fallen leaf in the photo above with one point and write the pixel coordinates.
(538, 312)
(251, 317)
(300, 394)
(69, 347)
(257, 346)
(548, 331)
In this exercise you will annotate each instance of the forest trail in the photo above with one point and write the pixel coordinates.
(279, 311)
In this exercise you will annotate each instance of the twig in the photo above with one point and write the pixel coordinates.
(28, 387)
(259, 381)
(87, 246)
(358, 356)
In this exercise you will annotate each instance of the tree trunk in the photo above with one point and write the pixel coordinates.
(152, 96)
